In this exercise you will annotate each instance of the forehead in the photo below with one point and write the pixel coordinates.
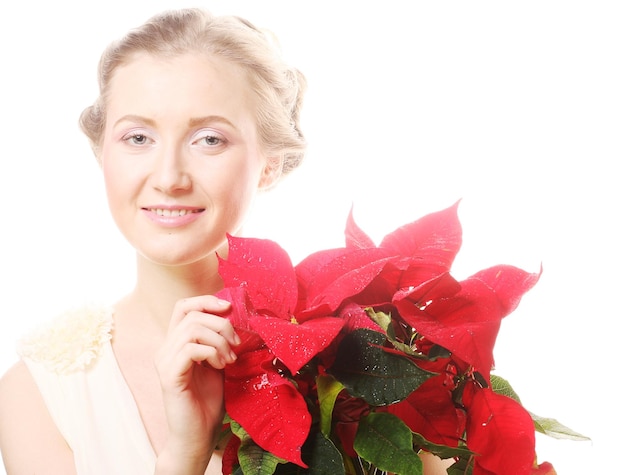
(191, 84)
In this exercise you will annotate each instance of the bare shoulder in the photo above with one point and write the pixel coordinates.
(29, 439)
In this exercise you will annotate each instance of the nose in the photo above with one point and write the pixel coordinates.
(170, 172)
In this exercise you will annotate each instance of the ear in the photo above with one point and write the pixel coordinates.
(271, 172)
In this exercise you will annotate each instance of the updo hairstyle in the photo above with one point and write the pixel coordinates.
(278, 87)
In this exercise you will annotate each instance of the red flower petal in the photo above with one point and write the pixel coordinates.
(442, 286)
(230, 458)
(313, 264)
(346, 431)
(508, 283)
(266, 405)
(295, 344)
(429, 411)
(342, 277)
(435, 238)
(265, 269)
(239, 316)
(355, 236)
(354, 316)
(501, 432)
(468, 322)
(545, 468)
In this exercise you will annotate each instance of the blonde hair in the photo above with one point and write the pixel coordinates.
(279, 88)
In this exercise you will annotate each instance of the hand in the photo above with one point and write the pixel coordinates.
(197, 346)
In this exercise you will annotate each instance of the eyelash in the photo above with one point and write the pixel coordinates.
(132, 139)
(209, 136)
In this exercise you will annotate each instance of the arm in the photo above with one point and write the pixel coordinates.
(29, 440)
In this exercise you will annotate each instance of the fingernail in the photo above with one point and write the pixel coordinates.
(237, 340)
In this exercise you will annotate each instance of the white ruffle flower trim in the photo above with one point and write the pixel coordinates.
(71, 341)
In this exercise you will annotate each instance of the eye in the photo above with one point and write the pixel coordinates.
(209, 138)
(136, 139)
(212, 140)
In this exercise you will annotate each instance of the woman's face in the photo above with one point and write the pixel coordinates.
(180, 154)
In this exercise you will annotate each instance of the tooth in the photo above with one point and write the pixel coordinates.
(170, 212)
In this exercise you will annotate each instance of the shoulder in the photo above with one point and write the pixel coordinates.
(18, 397)
(16, 377)
(15, 384)
(29, 439)
(71, 341)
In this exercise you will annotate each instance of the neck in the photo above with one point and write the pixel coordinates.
(159, 287)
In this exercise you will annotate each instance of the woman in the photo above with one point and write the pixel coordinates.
(196, 114)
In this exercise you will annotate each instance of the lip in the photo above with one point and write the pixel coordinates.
(172, 216)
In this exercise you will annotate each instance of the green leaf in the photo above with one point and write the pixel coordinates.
(554, 429)
(502, 386)
(253, 460)
(441, 451)
(322, 457)
(386, 442)
(463, 466)
(373, 374)
(382, 319)
(327, 389)
(437, 352)
(543, 425)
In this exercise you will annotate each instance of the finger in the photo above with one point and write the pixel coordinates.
(203, 329)
(197, 353)
(175, 369)
(216, 324)
(202, 303)
(216, 339)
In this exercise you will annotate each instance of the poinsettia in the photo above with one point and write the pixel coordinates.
(279, 323)
(369, 346)
(499, 421)
(465, 317)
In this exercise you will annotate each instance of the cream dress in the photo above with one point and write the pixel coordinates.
(73, 364)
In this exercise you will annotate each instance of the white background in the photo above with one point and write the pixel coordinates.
(517, 108)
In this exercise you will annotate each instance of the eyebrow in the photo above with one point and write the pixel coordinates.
(135, 118)
(193, 122)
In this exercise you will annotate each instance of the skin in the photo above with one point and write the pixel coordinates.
(180, 134)
(171, 141)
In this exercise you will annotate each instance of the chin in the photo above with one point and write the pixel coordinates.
(172, 258)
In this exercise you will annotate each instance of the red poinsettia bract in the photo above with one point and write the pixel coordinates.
(500, 431)
(276, 320)
(288, 316)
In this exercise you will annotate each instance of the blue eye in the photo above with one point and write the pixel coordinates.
(212, 140)
(138, 139)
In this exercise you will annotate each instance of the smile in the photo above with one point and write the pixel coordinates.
(173, 212)
(173, 217)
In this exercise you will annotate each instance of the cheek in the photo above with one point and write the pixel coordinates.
(236, 192)
(244, 177)
(116, 184)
